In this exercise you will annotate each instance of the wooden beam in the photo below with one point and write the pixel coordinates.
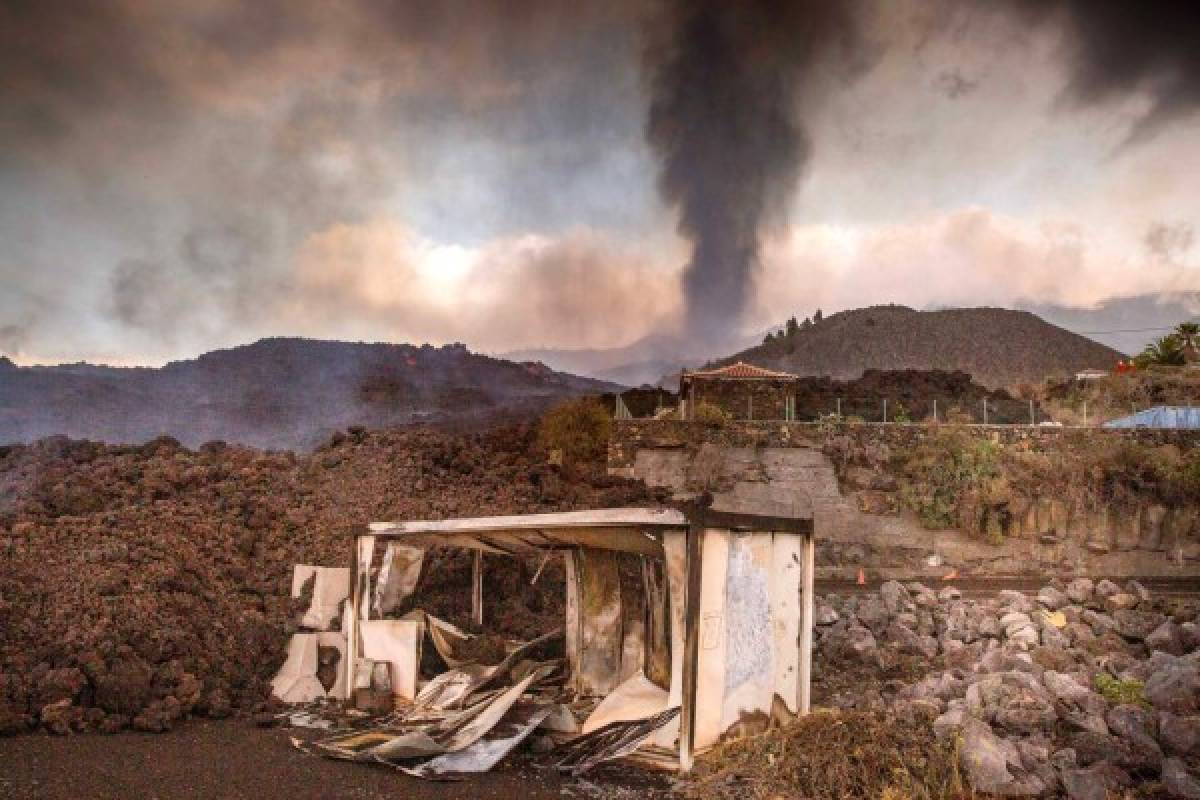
(807, 590)
(691, 646)
(737, 521)
(477, 589)
(352, 631)
(600, 518)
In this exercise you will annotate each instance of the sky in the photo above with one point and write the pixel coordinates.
(181, 176)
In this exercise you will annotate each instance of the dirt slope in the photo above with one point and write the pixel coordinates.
(996, 346)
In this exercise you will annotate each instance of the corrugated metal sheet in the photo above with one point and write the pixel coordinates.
(1160, 417)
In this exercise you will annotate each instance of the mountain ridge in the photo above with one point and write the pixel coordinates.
(281, 393)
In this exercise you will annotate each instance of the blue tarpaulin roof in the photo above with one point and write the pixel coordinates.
(1160, 417)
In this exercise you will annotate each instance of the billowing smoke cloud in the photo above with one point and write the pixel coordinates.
(725, 119)
(1122, 48)
(968, 257)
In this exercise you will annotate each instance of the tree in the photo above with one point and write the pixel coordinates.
(1165, 352)
(1188, 334)
(578, 429)
(808, 323)
(817, 317)
(792, 327)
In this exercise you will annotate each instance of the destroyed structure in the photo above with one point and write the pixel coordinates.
(741, 390)
(720, 647)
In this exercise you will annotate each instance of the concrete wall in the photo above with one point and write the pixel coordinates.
(774, 467)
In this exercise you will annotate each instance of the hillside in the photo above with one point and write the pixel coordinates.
(275, 393)
(997, 347)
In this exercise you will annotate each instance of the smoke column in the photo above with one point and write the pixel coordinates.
(725, 80)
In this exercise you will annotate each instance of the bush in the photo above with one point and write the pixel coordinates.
(941, 470)
(578, 429)
(708, 414)
(1118, 692)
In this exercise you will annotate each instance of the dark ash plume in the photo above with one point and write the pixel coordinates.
(725, 82)
(1152, 46)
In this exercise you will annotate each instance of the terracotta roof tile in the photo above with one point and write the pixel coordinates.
(743, 370)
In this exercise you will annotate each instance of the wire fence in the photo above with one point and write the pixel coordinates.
(882, 409)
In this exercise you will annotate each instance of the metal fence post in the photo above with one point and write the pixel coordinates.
(985, 421)
(885, 410)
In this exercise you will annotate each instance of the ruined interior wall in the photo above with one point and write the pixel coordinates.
(765, 400)
(786, 467)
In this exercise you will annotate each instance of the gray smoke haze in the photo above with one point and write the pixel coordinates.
(725, 120)
(181, 176)
(1148, 46)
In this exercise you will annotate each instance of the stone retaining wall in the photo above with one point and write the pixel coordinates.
(779, 467)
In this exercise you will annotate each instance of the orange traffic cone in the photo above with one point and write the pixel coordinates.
(862, 577)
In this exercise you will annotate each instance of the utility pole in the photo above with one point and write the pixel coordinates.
(839, 407)
(1085, 424)
(885, 409)
(1032, 419)
(985, 422)
(935, 411)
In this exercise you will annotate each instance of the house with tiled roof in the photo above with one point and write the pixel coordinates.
(741, 390)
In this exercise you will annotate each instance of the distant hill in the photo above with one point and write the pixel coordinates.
(644, 361)
(280, 393)
(996, 346)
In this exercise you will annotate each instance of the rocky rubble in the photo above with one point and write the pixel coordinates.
(140, 585)
(1079, 690)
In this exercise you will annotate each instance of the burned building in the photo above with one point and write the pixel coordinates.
(717, 645)
(741, 390)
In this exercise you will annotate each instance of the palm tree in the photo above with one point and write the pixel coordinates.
(1165, 352)
(1188, 334)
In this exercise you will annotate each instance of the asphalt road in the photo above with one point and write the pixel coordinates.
(233, 759)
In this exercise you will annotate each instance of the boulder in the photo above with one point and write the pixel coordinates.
(1168, 638)
(1138, 590)
(1100, 623)
(1080, 590)
(1013, 600)
(895, 597)
(1178, 780)
(989, 626)
(1137, 625)
(983, 757)
(1052, 598)
(1106, 588)
(1013, 701)
(1175, 687)
(1095, 782)
(1137, 725)
(823, 614)
(1179, 735)
(860, 642)
(1121, 601)
(1092, 747)
(949, 723)
(949, 594)
(1190, 633)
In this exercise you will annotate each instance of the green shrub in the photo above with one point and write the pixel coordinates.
(940, 471)
(578, 429)
(708, 414)
(1118, 692)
